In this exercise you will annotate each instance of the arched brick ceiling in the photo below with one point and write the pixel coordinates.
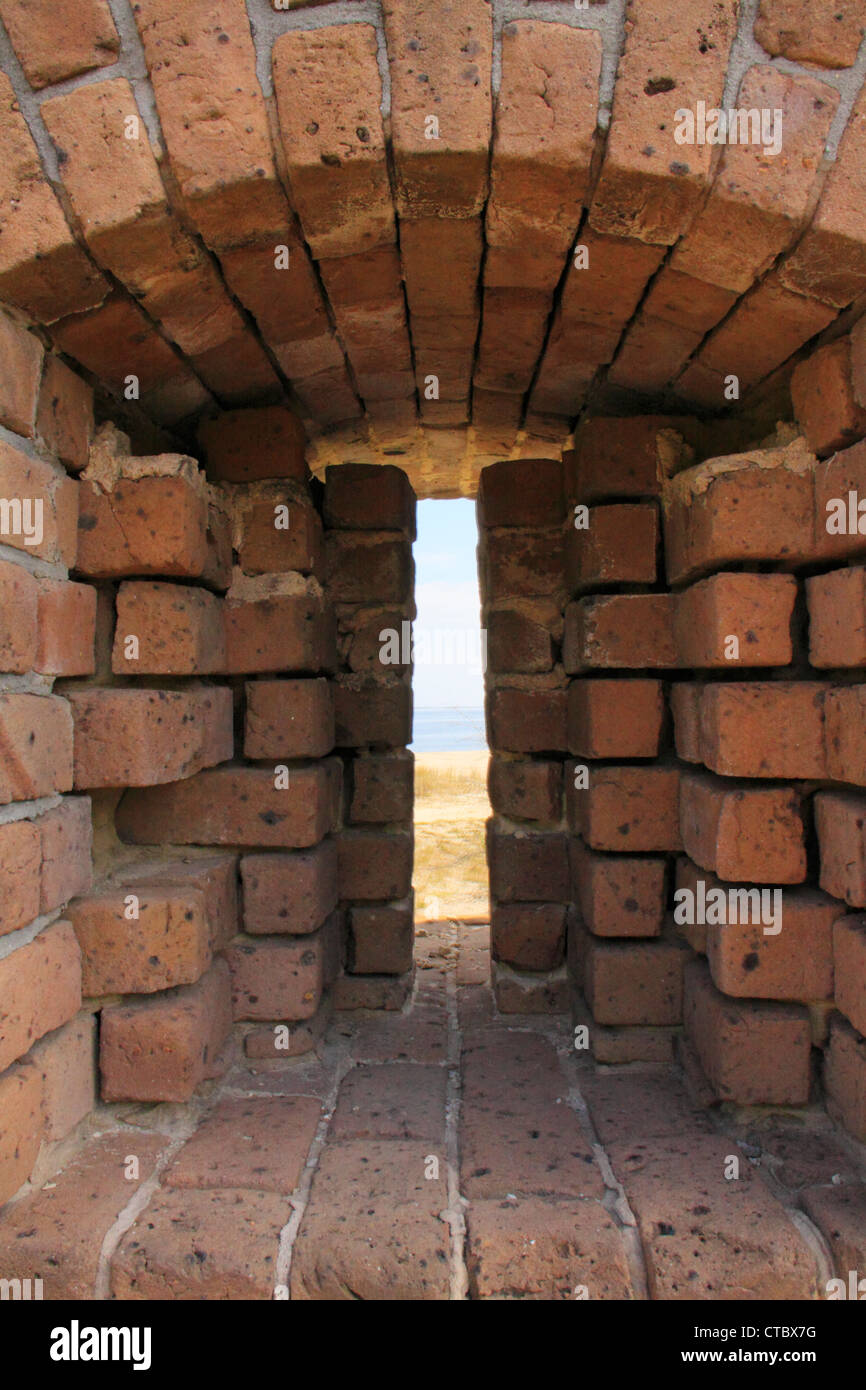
(428, 169)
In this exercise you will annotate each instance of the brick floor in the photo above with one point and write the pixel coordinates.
(442, 1152)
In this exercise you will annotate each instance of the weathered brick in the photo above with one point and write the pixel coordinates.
(638, 983)
(795, 964)
(289, 719)
(444, 177)
(840, 818)
(66, 835)
(159, 940)
(35, 746)
(752, 1053)
(23, 1126)
(21, 857)
(846, 734)
(214, 877)
(381, 938)
(235, 806)
(525, 789)
(178, 630)
(615, 718)
(845, 1077)
(382, 788)
(242, 446)
(506, 499)
(764, 729)
(618, 895)
(40, 988)
(19, 593)
(529, 936)
(522, 563)
(66, 617)
(527, 866)
(291, 893)
(336, 163)
(66, 1060)
(617, 546)
(267, 546)
(52, 47)
(628, 631)
(367, 567)
(21, 356)
(278, 628)
(369, 497)
(138, 738)
(825, 35)
(40, 511)
(750, 833)
(822, 394)
(627, 808)
(145, 525)
(374, 865)
(837, 618)
(736, 620)
(64, 417)
(162, 1048)
(527, 721)
(372, 713)
(281, 979)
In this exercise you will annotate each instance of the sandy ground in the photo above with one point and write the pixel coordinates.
(451, 807)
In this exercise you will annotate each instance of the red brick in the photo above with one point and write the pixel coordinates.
(543, 144)
(21, 857)
(685, 702)
(525, 789)
(628, 631)
(179, 629)
(527, 721)
(822, 393)
(637, 983)
(617, 547)
(758, 202)
(367, 567)
(266, 549)
(289, 719)
(250, 1142)
(147, 525)
(166, 943)
(522, 564)
(764, 729)
(381, 938)
(47, 526)
(241, 446)
(374, 865)
(289, 893)
(66, 834)
(845, 1077)
(35, 746)
(212, 876)
(444, 177)
(281, 979)
(371, 713)
(755, 834)
(43, 271)
(66, 1060)
(40, 986)
(527, 866)
(19, 593)
(67, 628)
(835, 478)
(162, 1048)
(755, 609)
(425, 246)
(369, 497)
(627, 808)
(825, 35)
(796, 964)
(139, 738)
(618, 895)
(529, 936)
(235, 806)
(840, 818)
(52, 47)
(846, 734)
(336, 163)
(505, 497)
(752, 1053)
(704, 508)
(382, 789)
(21, 356)
(64, 418)
(615, 718)
(650, 186)
(23, 1127)
(278, 630)
(837, 618)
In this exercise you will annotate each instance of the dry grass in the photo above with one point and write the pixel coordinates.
(451, 807)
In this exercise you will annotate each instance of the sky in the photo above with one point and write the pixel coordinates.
(448, 666)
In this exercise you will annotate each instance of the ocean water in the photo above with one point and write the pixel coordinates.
(450, 730)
